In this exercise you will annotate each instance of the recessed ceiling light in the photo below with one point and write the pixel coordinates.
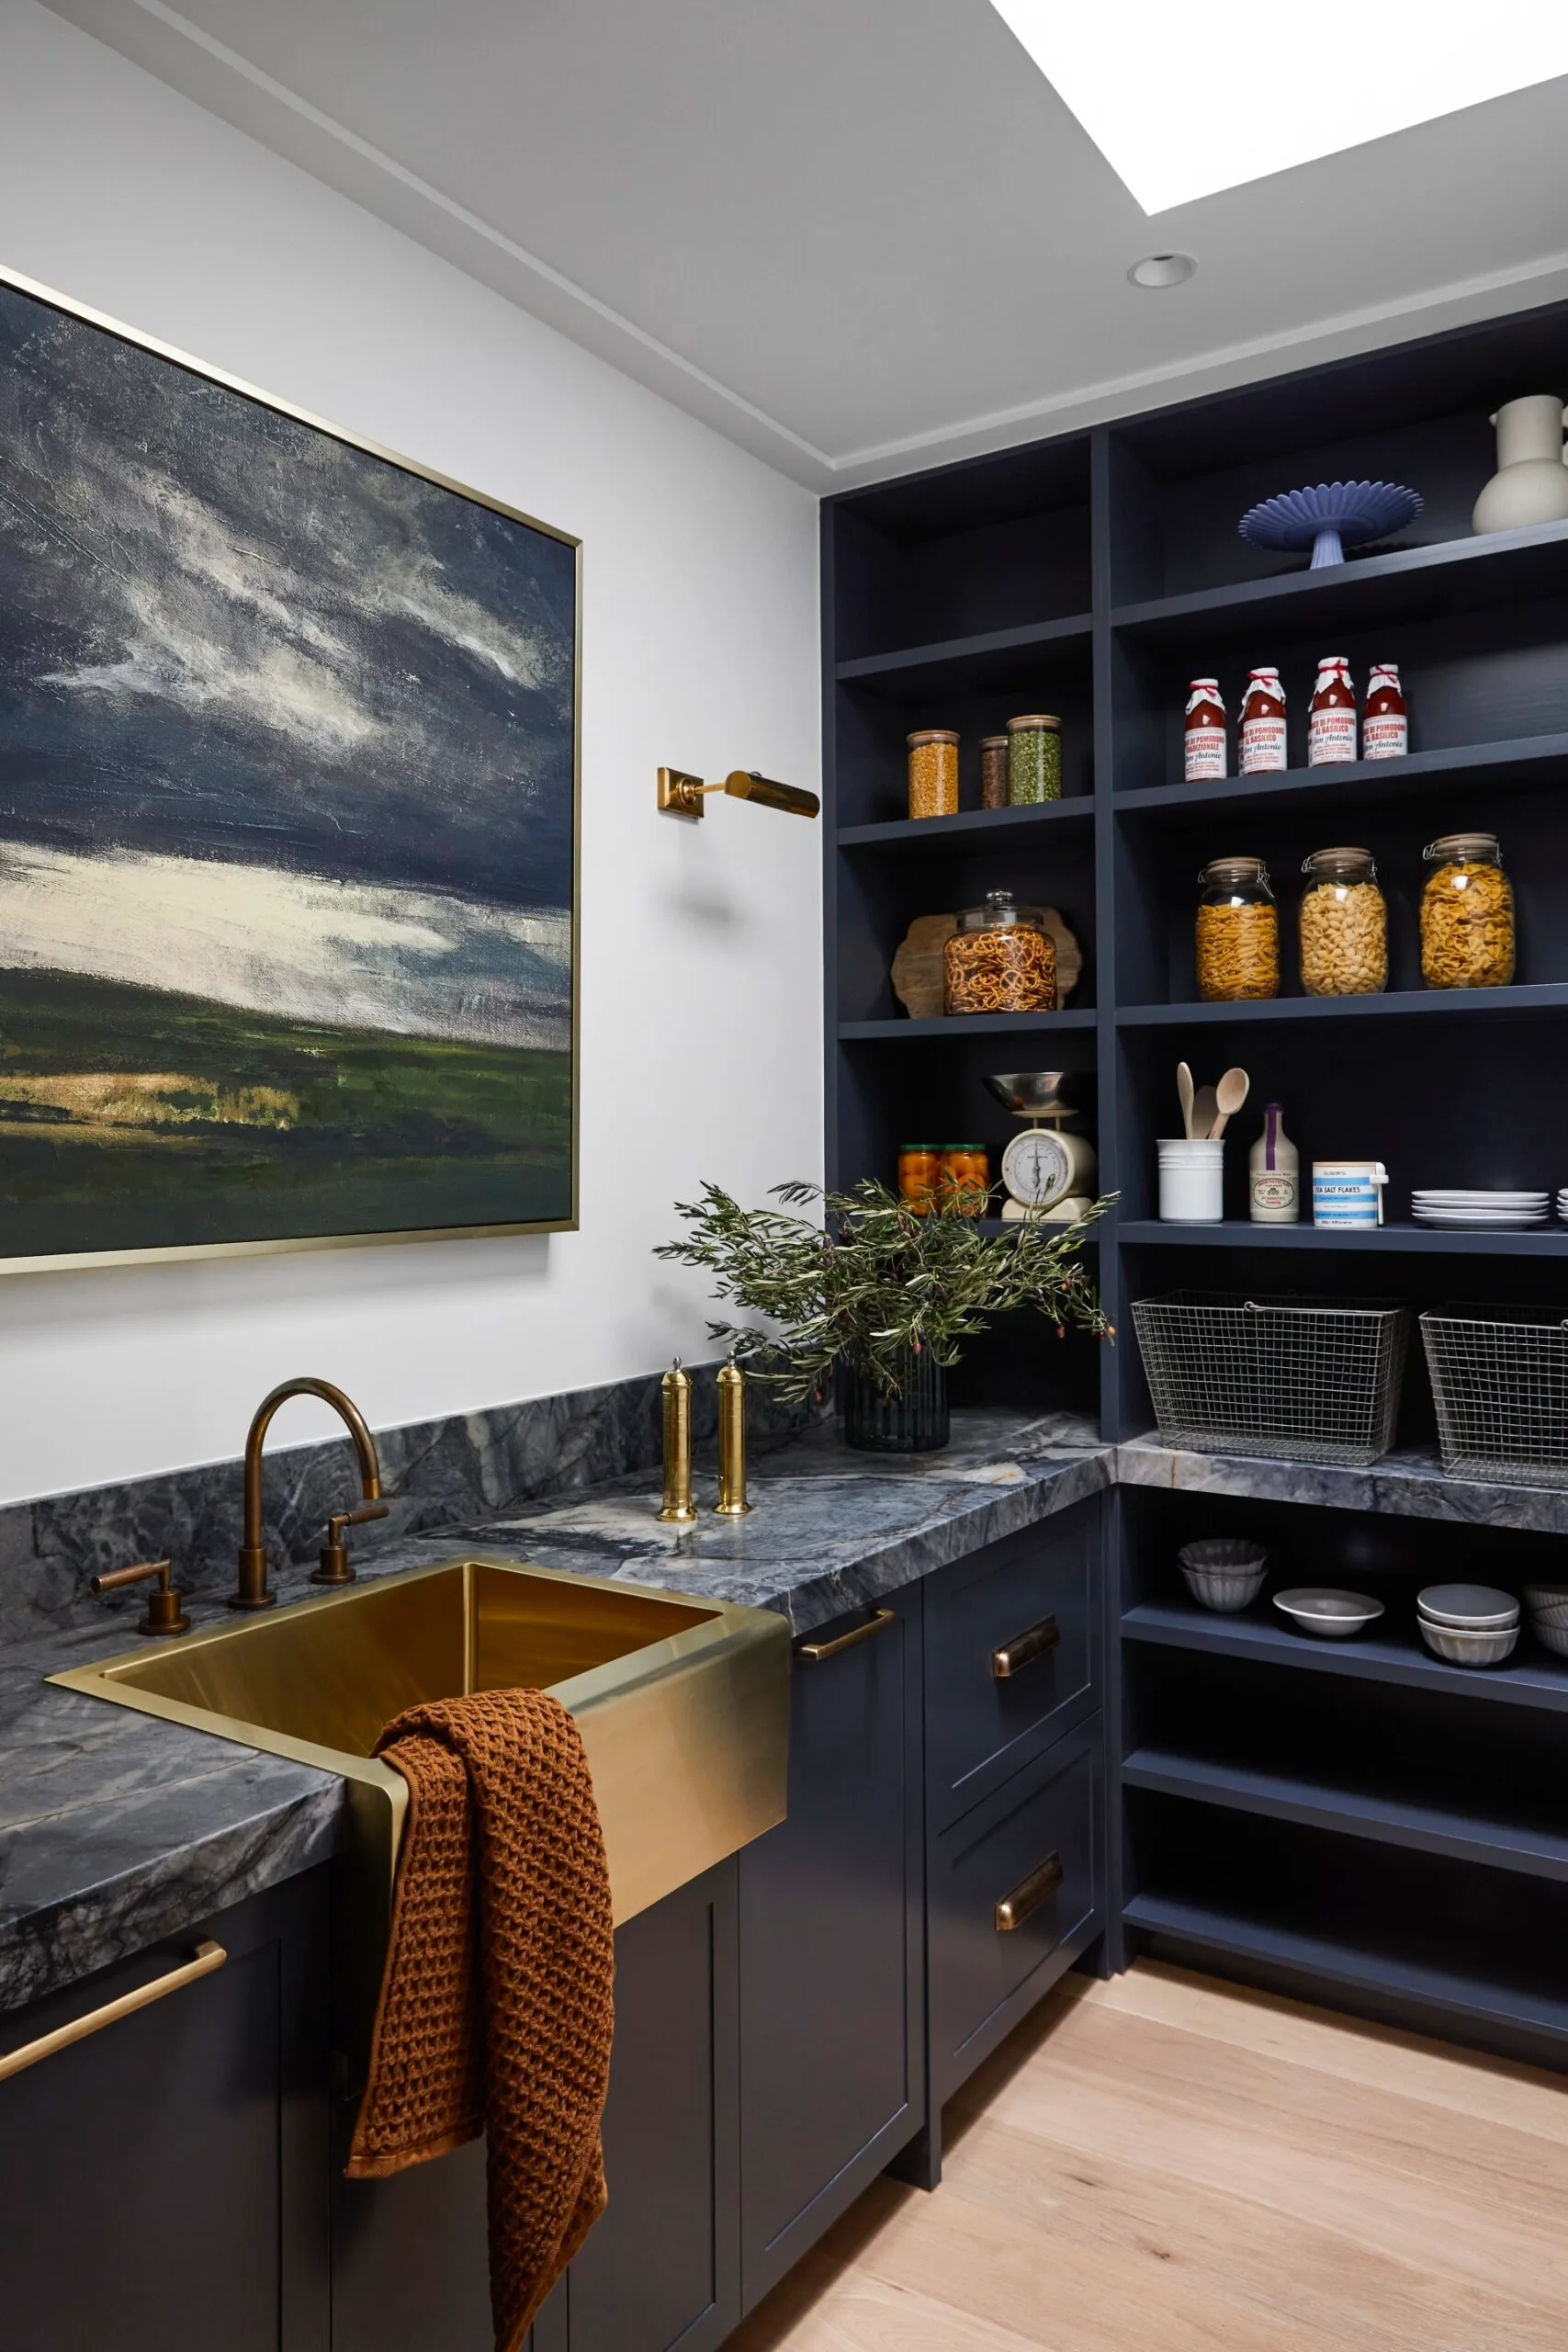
(1183, 102)
(1162, 269)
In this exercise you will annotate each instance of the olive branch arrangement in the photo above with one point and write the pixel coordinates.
(875, 1281)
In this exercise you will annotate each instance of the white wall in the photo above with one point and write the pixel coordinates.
(702, 973)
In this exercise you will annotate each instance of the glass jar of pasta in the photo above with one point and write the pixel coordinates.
(1238, 931)
(1467, 915)
(1000, 959)
(1344, 925)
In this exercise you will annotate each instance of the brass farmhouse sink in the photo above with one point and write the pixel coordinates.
(683, 1705)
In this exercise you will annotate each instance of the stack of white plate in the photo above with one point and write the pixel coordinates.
(1562, 1203)
(1483, 1207)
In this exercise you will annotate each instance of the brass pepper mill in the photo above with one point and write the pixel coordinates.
(678, 1504)
(732, 1502)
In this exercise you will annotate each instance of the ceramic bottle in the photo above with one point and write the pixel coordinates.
(1273, 1178)
(1531, 482)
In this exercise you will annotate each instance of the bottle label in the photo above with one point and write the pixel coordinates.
(1276, 1191)
(1262, 744)
(1204, 753)
(1331, 735)
(1386, 736)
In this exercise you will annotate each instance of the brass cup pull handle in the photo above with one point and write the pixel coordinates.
(877, 1623)
(1029, 1894)
(1024, 1649)
(203, 1962)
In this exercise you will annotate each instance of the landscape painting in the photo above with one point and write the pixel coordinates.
(288, 822)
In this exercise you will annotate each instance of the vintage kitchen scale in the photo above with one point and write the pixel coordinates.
(1049, 1176)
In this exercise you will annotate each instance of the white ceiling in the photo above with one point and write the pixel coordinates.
(859, 235)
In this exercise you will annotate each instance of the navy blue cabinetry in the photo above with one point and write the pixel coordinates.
(164, 2179)
(832, 2075)
(410, 2266)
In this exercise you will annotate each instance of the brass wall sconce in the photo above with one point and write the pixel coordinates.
(681, 795)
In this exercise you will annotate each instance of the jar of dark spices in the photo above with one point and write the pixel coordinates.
(993, 772)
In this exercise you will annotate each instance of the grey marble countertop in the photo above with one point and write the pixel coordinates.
(117, 1829)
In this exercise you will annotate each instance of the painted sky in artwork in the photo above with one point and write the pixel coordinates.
(232, 648)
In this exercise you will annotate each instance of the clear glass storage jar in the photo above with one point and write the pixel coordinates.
(1238, 932)
(1034, 759)
(1000, 959)
(933, 771)
(1344, 925)
(1467, 915)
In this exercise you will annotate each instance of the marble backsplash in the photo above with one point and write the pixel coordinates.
(434, 1474)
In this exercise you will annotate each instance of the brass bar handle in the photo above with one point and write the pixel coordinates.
(1029, 1894)
(1024, 1649)
(204, 1960)
(877, 1623)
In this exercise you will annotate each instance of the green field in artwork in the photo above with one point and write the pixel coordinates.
(136, 1118)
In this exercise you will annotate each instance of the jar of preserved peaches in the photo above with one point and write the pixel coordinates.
(1001, 958)
(1238, 932)
(1467, 915)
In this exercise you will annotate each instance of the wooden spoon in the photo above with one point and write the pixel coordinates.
(1205, 1110)
(1184, 1093)
(1229, 1096)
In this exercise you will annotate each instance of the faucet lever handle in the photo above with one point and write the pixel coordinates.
(164, 1614)
(336, 1567)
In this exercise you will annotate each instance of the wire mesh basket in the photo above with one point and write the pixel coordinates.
(1500, 1383)
(1314, 1380)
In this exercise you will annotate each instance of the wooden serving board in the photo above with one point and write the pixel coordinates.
(916, 964)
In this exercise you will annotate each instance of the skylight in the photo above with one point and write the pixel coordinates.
(1190, 96)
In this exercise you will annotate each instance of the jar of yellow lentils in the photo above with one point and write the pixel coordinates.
(933, 771)
(1238, 932)
(1467, 915)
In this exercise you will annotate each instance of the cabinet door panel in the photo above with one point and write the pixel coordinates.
(982, 1978)
(661, 2268)
(830, 1952)
(162, 2181)
(1040, 1584)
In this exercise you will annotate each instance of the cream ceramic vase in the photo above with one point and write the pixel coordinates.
(1531, 482)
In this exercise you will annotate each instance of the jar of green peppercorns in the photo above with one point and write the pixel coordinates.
(1034, 760)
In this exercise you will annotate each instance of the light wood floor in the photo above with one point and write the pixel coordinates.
(1165, 2163)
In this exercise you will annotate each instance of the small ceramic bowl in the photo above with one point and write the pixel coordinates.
(1547, 1600)
(1467, 1649)
(1331, 1616)
(1473, 1608)
(1222, 1572)
(1550, 1637)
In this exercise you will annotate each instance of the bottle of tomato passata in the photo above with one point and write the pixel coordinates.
(1385, 722)
(1331, 722)
(1203, 743)
(1262, 723)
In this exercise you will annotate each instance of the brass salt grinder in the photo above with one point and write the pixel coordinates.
(732, 1502)
(679, 1507)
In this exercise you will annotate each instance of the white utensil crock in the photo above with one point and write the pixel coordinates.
(1191, 1180)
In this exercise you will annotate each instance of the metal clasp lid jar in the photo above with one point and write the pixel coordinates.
(1000, 959)
(1344, 925)
(1467, 915)
(1238, 932)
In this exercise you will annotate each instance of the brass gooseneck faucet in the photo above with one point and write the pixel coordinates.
(254, 1589)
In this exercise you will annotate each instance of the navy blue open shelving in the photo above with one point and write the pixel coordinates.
(1093, 575)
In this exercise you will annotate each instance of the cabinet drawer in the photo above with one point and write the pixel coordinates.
(1035, 1845)
(1012, 1655)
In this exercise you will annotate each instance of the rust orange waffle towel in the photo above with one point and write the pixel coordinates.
(496, 2008)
